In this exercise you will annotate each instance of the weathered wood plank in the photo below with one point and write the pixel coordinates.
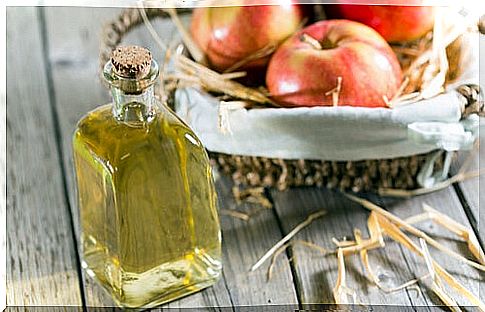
(446, 202)
(77, 90)
(74, 57)
(74, 36)
(243, 243)
(470, 189)
(316, 276)
(41, 258)
(471, 197)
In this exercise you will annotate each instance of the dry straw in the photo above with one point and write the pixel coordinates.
(391, 225)
(413, 230)
(235, 213)
(289, 236)
(426, 63)
(341, 292)
(373, 224)
(381, 224)
(322, 251)
(393, 231)
(426, 67)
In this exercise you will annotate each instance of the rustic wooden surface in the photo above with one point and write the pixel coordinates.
(53, 80)
(42, 263)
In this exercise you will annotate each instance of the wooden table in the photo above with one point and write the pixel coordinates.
(52, 80)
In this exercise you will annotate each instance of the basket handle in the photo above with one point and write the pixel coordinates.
(128, 19)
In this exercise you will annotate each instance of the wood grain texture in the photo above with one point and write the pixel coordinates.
(446, 202)
(43, 270)
(244, 242)
(472, 199)
(470, 188)
(316, 275)
(73, 37)
(73, 46)
(41, 258)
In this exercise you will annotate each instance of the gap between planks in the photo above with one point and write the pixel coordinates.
(41, 256)
(316, 198)
(243, 241)
(468, 212)
(288, 251)
(58, 141)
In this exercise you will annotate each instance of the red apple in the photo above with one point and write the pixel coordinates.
(228, 35)
(394, 23)
(306, 68)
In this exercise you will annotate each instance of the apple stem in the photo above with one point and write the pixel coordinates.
(311, 41)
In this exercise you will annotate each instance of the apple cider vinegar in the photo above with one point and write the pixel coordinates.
(150, 230)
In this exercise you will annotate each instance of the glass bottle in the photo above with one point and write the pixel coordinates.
(150, 230)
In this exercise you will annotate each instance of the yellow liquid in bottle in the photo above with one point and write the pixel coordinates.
(150, 230)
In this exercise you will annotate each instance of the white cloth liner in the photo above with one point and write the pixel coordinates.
(339, 133)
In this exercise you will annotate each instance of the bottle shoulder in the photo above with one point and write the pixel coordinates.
(102, 117)
(94, 116)
(109, 139)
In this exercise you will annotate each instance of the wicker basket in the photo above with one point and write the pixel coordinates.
(365, 175)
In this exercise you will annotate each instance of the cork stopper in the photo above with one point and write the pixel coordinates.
(131, 61)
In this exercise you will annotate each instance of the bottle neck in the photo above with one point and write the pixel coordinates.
(134, 108)
(133, 100)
